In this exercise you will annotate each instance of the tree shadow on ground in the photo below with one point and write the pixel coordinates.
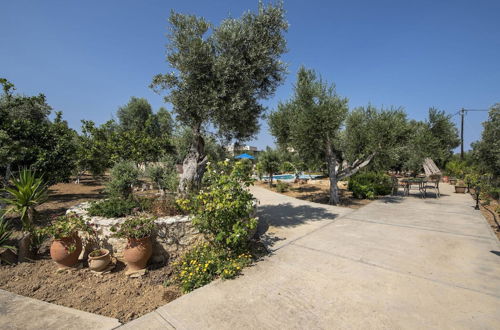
(287, 216)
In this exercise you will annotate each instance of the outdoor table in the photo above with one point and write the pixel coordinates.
(409, 182)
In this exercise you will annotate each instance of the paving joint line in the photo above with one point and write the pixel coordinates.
(398, 271)
(488, 238)
(164, 319)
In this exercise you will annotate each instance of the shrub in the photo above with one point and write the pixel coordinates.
(27, 192)
(223, 208)
(123, 176)
(203, 264)
(164, 175)
(137, 227)
(113, 207)
(369, 185)
(164, 206)
(66, 226)
(281, 186)
(5, 235)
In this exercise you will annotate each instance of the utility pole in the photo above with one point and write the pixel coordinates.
(462, 112)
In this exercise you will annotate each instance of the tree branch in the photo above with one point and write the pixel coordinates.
(353, 168)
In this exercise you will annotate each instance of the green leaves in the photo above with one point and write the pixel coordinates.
(223, 209)
(28, 191)
(136, 227)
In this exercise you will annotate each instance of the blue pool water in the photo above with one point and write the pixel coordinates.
(291, 177)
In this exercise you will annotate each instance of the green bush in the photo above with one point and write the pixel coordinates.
(164, 174)
(223, 208)
(113, 207)
(123, 176)
(282, 187)
(137, 227)
(203, 264)
(369, 185)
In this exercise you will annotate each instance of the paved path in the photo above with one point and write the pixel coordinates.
(18, 312)
(393, 264)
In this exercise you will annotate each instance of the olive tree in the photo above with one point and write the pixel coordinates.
(219, 75)
(487, 151)
(316, 123)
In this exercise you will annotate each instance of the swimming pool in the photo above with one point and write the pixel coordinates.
(291, 177)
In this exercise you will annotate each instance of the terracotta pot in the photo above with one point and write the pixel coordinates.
(460, 189)
(60, 251)
(446, 179)
(101, 262)
(137, 253)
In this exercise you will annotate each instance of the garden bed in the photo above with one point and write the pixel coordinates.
(489, 212)
(318, 191)
(114, 294)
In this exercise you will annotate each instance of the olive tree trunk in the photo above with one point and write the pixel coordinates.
(193, 166)
(337, 171)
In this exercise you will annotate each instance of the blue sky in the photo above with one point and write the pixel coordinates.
(89, 57)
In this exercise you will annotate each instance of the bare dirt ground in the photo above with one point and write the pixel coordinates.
(489, 212)
(318, 191)
(114, 294)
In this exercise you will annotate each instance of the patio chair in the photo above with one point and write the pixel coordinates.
(433, 183)
(395, 185)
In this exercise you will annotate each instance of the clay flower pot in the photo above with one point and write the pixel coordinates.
(65, 251)
(100, 263)
(460, 189)
(452, 181)
(137, 253)
(446, 179)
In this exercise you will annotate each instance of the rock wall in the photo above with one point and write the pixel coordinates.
(174, 235)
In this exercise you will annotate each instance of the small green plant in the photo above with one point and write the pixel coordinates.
(461, 183)
(38, 237)
(113, 207)
(164, 175)
(136, 227)
(281, 186)
(66, 226)
(123, 176)
(369, 185)
(27, 192)
(97, 253)
(223, 208)
(5, 235)
(203, 264)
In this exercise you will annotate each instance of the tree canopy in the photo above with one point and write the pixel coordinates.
(317, 124)
(30, 139)
(219, 75)
(487, 151)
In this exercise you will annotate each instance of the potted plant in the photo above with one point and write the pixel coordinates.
(66, 244)
(137, 231)
(99, 259)
(460, 187)
(452, 181)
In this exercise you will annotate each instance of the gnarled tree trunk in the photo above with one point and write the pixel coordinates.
(193, 166)
(337, 172)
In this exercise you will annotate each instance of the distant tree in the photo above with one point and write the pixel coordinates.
(134, 115)
(316, 123)
(487, 151)
(94, 148)
(436, 137)
(218, 79)
(269, 162)
(30, 139)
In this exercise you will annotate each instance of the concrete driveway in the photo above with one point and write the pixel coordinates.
(394, 264)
